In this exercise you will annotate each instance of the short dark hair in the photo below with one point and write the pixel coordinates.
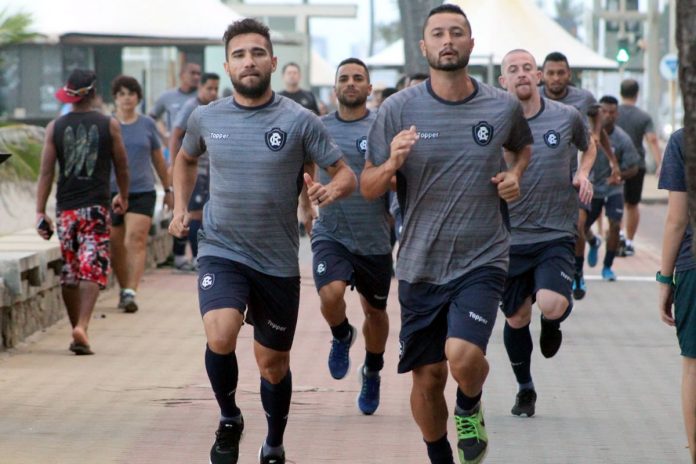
(247, 26)
(209, 76)
(446, 8)
(126, 82)
(388, 92)
(352, 60)
(629, 88)
(609, 100)
(419, 76)
(556, 57)
(288, 64)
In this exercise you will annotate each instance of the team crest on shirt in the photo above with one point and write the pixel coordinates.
(361, 144)
(483, 133)
(207, 281)
(321, 268)
(275, 139)
(552, 139)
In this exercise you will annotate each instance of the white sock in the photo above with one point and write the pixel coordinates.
(180, 260)
(629, 242)
(128, 291)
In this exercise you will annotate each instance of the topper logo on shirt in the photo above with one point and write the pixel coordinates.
(483, 133)
(361, 144)
(552, 139)
(275, 139)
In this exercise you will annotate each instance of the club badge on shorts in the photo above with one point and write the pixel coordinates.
(483, 133)
(275, 139)
(321, 268)
(207, 281)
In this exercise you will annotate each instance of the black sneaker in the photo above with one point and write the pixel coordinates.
(524, 403)
(579, 287)
(129, 304)
(121, 303)
(271, 459)
(550, 338)
(225, 450)
(629, 250)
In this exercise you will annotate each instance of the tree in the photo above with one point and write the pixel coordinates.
(686, 41)
(14, 28)
(567, 12)
(413, 12)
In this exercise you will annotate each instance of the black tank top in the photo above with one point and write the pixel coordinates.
(84, 150)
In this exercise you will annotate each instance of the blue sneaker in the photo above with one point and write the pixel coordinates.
(368, 398)
(608, 274)
(579, 287)
(592, 254)
(339, 356)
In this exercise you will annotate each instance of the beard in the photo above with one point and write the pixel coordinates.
(253, 91)
(434, 62)
(354, 102)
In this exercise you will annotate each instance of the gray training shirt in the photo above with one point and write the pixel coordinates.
(581, 99)
(636, 123)
(169, 103)
(626, 155)
(181, 121)
(451, 210)
(359, 225)
(548, 205)
(257, 156)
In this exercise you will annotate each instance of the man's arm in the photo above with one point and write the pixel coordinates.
(161, 168)
(376, 180)
(185, 173)
(120, 160)
(508, 181)
(177, 136)
(343, 183)
(307, 213)
(654, 147)
(48, 166)
(675, 226)
(581, 181)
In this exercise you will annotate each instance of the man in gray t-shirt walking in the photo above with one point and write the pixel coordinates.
(444, 140)
(543, 223)
(350, 242)
(258, 143)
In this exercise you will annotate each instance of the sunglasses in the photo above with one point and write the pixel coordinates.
(78, 92)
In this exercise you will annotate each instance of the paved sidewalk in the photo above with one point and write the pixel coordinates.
(611, 395)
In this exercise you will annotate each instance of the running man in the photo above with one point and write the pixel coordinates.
(543, 222)
(639, 126)
(608, 193)
(444, 140)
(350, 242)
(557, 86)
(207, 92)
(258, 143)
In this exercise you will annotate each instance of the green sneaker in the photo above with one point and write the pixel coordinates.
(472, 439)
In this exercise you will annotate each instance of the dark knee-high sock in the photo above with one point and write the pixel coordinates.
(374, 362)
(276, 402)
(194, 226)
(609, 258)
(579, 263)
(466, 403)
(440, 451)
(519, 346)
(223, 374)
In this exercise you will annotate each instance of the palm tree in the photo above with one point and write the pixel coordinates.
(686, 41)
(413, 12)
(14, 28)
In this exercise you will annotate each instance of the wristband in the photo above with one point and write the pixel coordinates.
(169, 190)
(663, 279)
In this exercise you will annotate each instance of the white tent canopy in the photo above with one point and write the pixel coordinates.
(503, 25)
(321, 72)
(204, 20)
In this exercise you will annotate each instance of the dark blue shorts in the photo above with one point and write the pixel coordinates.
(547, 265)
(273, 302)
(613, 208)
(200, 194)
(464, 308)
(370, 275)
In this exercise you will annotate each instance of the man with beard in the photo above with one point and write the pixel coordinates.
(257, 143)
(444, 141)
(350, 242)
(557, 77)
(543, 222)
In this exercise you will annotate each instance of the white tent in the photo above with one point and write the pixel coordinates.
(202, 20)
(321, 72)
(502, 25)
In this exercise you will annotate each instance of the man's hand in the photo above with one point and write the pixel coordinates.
(320, 195)
(665, 303)
(401, 146)
(168, 200)
(179, 227)
(307, 216)
(44, 226)
(584, 187)
(615, 176)
(508, 185)
(119, 204)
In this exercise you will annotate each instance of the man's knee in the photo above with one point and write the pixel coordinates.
(430, 379)
(331, 294)
(221, 329)
(273, 365)
(467, 363)
(553, 305)
(522, 317)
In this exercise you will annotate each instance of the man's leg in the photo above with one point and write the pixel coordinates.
(80, 301)
(519, 346)
(689, 402)
(429, 410)
(612, 245)
(276, 392)
(633, 193)
(119, 254)
(579, 286)
(375, 330)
